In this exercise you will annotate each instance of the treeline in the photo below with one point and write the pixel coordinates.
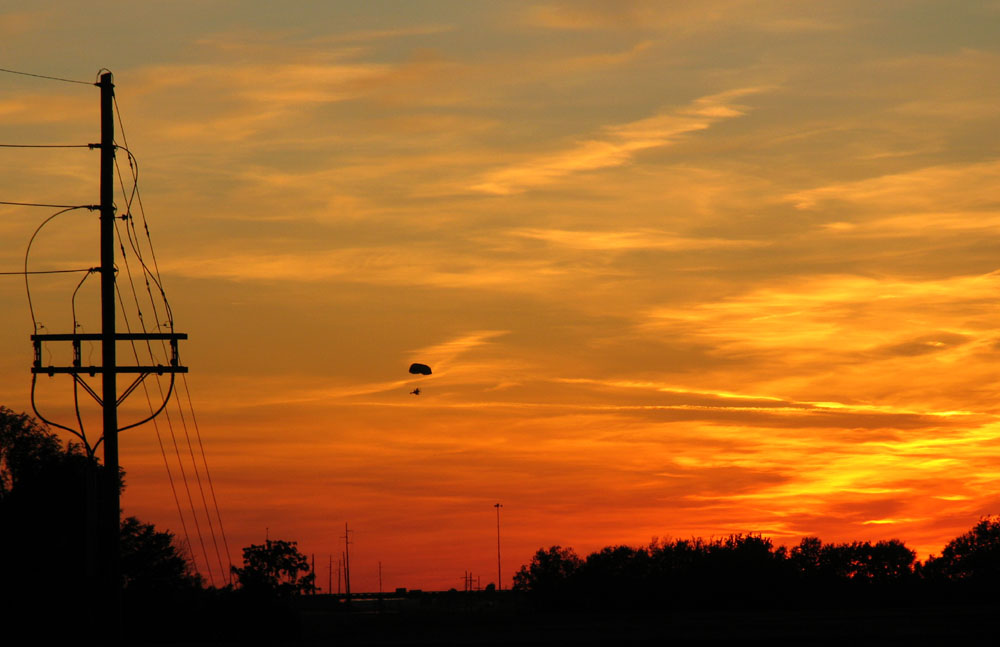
(748, 571)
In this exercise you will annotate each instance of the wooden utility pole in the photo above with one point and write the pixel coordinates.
(109, 391)
(108, 503)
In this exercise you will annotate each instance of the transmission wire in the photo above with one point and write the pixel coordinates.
(43, 76)
(50, 206)
(211, 486)
(76, 383)
(156, 427)
(48, 145)
(166, 412)
(134, 243)
(27, 252)
(82, 269)
(157, 279)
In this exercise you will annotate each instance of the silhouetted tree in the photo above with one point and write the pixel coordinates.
(616, 576)
(275, 568)
(881, 563)
(44, 525)
(43, 520)
(549, 575)
(720, 573)
(150, 560)
(973, 557)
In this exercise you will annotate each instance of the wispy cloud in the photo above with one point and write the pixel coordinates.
(625, 14)
(373, 265)
(618, 145)
(647, 15)
(442, 355)
(940, 188)
(851, 313)
(629, 240)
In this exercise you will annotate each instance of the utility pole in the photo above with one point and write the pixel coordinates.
(109, 390)
(347, 562)
(314, 573)
(499, 576)
(329, 576)
(108, 508)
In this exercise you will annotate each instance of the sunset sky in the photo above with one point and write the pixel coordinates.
(680, 268)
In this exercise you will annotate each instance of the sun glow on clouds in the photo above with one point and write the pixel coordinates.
(652, 306)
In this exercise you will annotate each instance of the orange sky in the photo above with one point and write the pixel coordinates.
(685, 268)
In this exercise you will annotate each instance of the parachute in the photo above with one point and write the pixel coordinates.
(420, 369)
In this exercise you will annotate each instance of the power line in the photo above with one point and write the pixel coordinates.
(153, 274)
(43, 76)
(27, 251)
(211, 486)
(49, 145)
(166, 412)
(147, 275)
(92, 207)
(156, 428)
(84, 269)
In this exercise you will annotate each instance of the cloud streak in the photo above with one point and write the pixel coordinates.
(617, 145)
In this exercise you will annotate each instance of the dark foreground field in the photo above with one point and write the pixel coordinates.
(975, 626)
(505, 622)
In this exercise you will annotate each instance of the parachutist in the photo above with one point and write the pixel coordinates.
(415, 392)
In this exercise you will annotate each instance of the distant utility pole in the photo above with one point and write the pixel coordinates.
(108, 508)
(347, 562)
(329, 576)
(314, 573)
(499, 576)
(380, 578)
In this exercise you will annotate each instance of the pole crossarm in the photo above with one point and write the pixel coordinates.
(78, 368)
(122, 336)
(159, 369)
